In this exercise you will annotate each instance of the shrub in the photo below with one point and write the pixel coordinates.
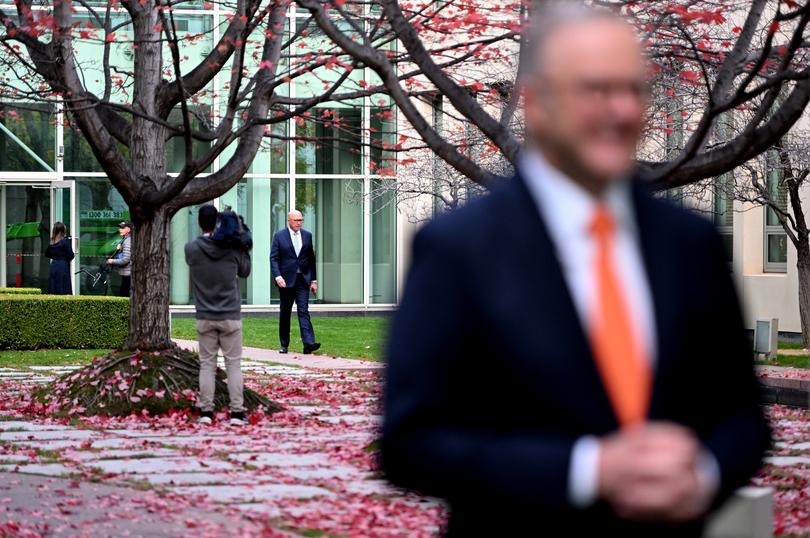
(20, 291)
(62, 321)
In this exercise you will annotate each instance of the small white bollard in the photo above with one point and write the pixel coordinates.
(747, 514)
(766, 337)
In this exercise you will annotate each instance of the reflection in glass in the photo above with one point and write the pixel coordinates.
(78, 155)
(176, 146)
(27, 137)
(383, 161)
(331, 142)
(264, 203)
(28, 222)
(100, 208)
(333, 212)
(723, 212)
(777, 248)
(184, 228)
(383, 243)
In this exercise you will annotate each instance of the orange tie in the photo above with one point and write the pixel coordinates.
(620, 360)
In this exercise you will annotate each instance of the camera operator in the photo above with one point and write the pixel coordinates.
(215, 268)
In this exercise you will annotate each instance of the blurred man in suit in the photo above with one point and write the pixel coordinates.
(292, 263)
(569, 357)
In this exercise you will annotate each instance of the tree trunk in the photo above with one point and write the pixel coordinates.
(149, 307)
(803, 267)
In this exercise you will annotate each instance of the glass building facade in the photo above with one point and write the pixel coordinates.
(49, 174)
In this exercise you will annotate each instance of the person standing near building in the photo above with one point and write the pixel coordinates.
(61, 253)
(583, 370)
(122, 260)
(215, 272)
(292, 262)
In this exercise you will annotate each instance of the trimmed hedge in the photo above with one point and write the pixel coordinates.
(20, 291)
(62, 321)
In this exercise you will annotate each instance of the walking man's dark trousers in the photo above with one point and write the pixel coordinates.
(298, 272)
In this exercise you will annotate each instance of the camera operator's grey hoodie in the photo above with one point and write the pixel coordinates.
(215, 271)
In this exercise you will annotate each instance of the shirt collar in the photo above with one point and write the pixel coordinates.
(565, 204)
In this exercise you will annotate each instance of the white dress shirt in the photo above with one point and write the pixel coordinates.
(295, 237)
(567, 210)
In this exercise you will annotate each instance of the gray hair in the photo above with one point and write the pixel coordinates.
(552, 16)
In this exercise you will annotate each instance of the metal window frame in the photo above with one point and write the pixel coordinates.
(767, 265)
(58, 177)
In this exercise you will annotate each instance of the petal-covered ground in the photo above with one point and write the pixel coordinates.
(309, 470)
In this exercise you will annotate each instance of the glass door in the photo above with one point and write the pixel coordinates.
(25, 220)
(62, 203)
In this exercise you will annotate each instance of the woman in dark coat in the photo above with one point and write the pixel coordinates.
(60, 253)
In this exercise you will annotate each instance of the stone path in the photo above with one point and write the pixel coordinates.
(67, 507)
(307, 471)
(304, 471)
(321, 362)
(794, 352)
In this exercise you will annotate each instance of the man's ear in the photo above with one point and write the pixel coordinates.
(535, 107)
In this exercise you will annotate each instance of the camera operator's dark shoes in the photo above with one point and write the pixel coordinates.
(282, 349)
(206, 417)
(238, 418)
(309, 348)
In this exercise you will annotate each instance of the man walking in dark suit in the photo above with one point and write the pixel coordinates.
(583, 370)
(292, 262)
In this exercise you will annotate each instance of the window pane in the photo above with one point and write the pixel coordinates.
(333, 212)
(263, 202)
(383, 242)
(236, 199)
(777, 248)
(723, 200)
(78, 155)
(176, 146)
(28, 223)
(101, 208)
(331, 142)
(776, 187)
(728, 245)
(184, 228)
(383, 161)
(26, 130)
(269, 203)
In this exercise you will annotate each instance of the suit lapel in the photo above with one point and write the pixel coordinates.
(661, 265)
(555, 314)
(289, 240)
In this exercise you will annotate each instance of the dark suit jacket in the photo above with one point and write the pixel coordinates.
(491, 378)
(284, 262)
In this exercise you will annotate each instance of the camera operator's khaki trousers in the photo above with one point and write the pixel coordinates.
(213, 335)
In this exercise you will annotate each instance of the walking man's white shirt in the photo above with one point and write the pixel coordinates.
(567, 211)
(296, 241)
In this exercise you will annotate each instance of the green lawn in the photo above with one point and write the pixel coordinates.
(790, 345)
(348, 336)
(797, 361)
(47, 357)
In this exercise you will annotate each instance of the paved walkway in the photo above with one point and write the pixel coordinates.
(321, 362)
(307, 471)
(70, 508)
(302, 472)
(787, 372)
